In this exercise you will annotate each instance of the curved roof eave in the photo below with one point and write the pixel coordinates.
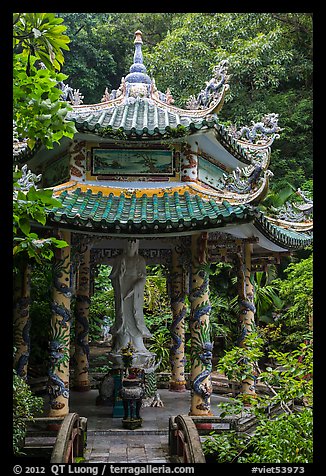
(163, 211)
(267, 239)
(167, 211)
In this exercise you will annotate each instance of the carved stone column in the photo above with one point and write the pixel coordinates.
(81, 382)
(201, 345)
(247, 310)
(177, 329)
(21, 320)
(58, 385)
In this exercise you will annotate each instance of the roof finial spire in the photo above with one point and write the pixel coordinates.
(137, 81)
(138, 55)
(138, 37)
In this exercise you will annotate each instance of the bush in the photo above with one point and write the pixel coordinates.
(286, 437)
(223, 447)
(25, 406)
(160, 345)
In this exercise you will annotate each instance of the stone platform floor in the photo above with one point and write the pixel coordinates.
(109, 442)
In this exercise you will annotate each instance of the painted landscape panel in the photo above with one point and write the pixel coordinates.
(132, 162)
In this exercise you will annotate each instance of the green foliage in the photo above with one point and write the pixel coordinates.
(160, 345)
(224, 446)
(41, 35)
(157, 308)
(224, 316)
(39, 117)
(237, 363)
(102, 369)
(29, 206)
(293, 374)
(101, 48)
(284, 438)
(271, 70)
(101, 309)
(40, 314)
(265, 296)
(38, 111)
(277, 197)
(296, 290)
(102, 303)
(25, 406)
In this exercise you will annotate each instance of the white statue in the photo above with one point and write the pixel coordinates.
(128, 278)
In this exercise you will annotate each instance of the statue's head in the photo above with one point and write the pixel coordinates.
(132, 246)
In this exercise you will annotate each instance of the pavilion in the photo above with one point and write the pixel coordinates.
(183, 184)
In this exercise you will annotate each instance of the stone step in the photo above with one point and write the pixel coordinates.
(121, 432)
(134, 446)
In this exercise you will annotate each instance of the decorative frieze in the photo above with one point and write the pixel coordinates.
(73, 96)
(295, 212)
(151, 255)
(263, 132)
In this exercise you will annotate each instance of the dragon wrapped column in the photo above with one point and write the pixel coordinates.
(58, 384)
(179, 309)
(81, 356)
(21, 320)
(201, 345)
(247, 310)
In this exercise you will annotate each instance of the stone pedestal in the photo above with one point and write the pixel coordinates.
(140, 360)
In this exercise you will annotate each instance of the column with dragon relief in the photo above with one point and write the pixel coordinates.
(21, 321)
(58, 384)
(201, 344)
(247, 310)
(177, 329)
(81, 356)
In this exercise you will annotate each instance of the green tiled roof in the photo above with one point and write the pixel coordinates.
(140, 116)
(281, 236)
(163, 213)
(144, 214)
(143, 116)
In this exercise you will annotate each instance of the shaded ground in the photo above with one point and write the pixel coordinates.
(108, 441)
